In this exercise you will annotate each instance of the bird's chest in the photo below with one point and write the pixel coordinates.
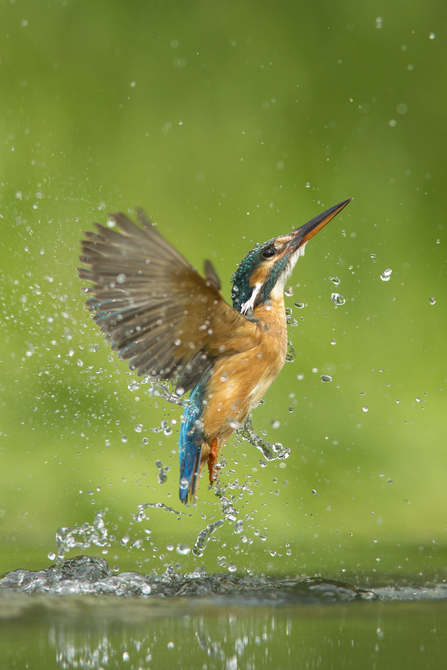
(239, 381)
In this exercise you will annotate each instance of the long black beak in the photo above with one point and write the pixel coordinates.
(303, 234)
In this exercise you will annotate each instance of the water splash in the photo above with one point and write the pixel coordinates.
(158, 505)
(204, 537)
(162, 472)
(163, 390)
(83, 537)
(271, 452)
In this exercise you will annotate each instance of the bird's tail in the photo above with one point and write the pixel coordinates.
(190, 448)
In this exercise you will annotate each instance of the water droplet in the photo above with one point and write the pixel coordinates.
(289, 291)
(299, 305)
(379, 22)
(291, 321)
(338, 299)
(432, 36)
(263, 538)
(326, 378)
(222, 561)
(232, 567)
(51, 556)
(183, 549)
(123, 439)
(365, 408)
(138, 427)
(300, 376)
(418, 399)
(335, 280)
(170, 645)
(184, 483)
(121, 278)
(386, 275)
(290, 356)
(333, 341)
(275, 423)
(432, 301)
(238, 526)
(307, 185)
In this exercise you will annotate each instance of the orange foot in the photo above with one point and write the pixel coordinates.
(212, 460)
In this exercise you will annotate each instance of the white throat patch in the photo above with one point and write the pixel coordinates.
(251, 301)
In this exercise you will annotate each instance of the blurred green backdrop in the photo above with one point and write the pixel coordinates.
(230, 123)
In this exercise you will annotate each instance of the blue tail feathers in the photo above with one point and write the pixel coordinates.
(190, 444)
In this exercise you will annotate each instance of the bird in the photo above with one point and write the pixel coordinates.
(171, 323)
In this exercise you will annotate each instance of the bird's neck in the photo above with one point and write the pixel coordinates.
(272, 315)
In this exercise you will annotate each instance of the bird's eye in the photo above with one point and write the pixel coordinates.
(269, 252)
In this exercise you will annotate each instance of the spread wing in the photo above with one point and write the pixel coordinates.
(157, 311)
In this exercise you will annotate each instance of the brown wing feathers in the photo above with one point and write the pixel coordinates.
(156, 309)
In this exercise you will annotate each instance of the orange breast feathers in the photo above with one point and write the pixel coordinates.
(239, 381)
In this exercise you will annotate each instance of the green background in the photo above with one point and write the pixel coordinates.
(230, 123)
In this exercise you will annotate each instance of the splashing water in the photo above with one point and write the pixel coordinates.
(159, 505)
(163, 472)
(163, 390)
(204, 537)
(271, 452)
(83, 537)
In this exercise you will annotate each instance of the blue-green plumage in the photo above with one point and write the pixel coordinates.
(241, 291)
(191, 439)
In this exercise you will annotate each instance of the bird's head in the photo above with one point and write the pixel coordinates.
(263, 273)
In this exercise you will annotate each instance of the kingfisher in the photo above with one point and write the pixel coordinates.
(171, 323)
